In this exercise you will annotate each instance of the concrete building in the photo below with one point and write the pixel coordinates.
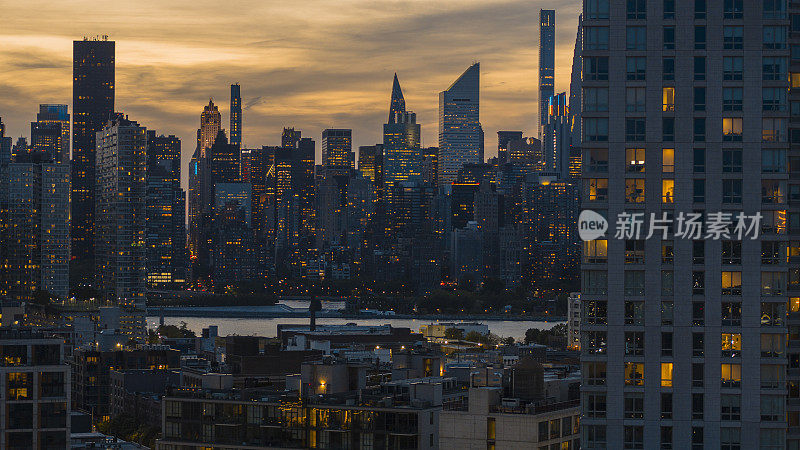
(120, 216)
(574, 320)
(242, 420)
(167, 259)
(793, 308)
(35, 383)
(491, 421)
(50, 132)
(36, 241)
(91, 373)
(683, 340)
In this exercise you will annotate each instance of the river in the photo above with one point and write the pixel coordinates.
(269, 326)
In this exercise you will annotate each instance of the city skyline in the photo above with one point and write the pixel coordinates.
(164, 80)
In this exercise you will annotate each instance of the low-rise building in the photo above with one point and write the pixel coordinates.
(396, 416)
(492, 422)
(35, 383)
(91, 369)
(137, 393)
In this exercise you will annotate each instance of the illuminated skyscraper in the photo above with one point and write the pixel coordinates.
(166, 213)
(210, 125)
(337, 152)
(50, 117)
(370, 162)
(402, 157)
(503, 138)
(92, 106)
(290, 137)
(236, 115)
(547, 62)
(557, 136)
(200, 188)
(460, 132)
(121, 212)
(34, 229)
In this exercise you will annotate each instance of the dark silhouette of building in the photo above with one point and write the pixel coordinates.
(236, 115)
(93, 69)
(166, 212)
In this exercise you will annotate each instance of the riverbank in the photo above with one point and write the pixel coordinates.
(282, 311)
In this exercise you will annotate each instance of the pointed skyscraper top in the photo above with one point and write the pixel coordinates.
(398, 103)
(469, 80)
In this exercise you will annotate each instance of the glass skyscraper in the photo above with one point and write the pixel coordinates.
(460, 132)
(547, 62)
(93, 72)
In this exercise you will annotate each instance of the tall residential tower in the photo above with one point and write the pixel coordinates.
(683, 332)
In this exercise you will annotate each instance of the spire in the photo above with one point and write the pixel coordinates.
(397, 103)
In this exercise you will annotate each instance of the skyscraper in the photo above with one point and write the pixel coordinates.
(5, 145)
(36, 243)
(236, 115)
(547, 62)
(397, 104)
(460, 132)
(337, 152)
(166, 213)
(92, 106)
(503, 138)
(200, 193)
(557, 136)
(50, 116)
(402, 157)
(684, 334)
(210, 126)
(121, 212)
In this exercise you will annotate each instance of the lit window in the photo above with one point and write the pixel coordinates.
(731, 344)
(634, 159)
(634, 374)
(668, 99)
(732, 128)
(731, 375)
(668, 191)
(666, 374)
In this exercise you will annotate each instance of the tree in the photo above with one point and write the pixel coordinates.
(454, 333)
(508, 340)
(43, 297)
(537, 336)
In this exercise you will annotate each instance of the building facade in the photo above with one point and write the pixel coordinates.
(547, 63)
(36, 386)
(166, 212)
(683, 336)
(93, 76)
(337, 152)
(460, 132)
(120, 214)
